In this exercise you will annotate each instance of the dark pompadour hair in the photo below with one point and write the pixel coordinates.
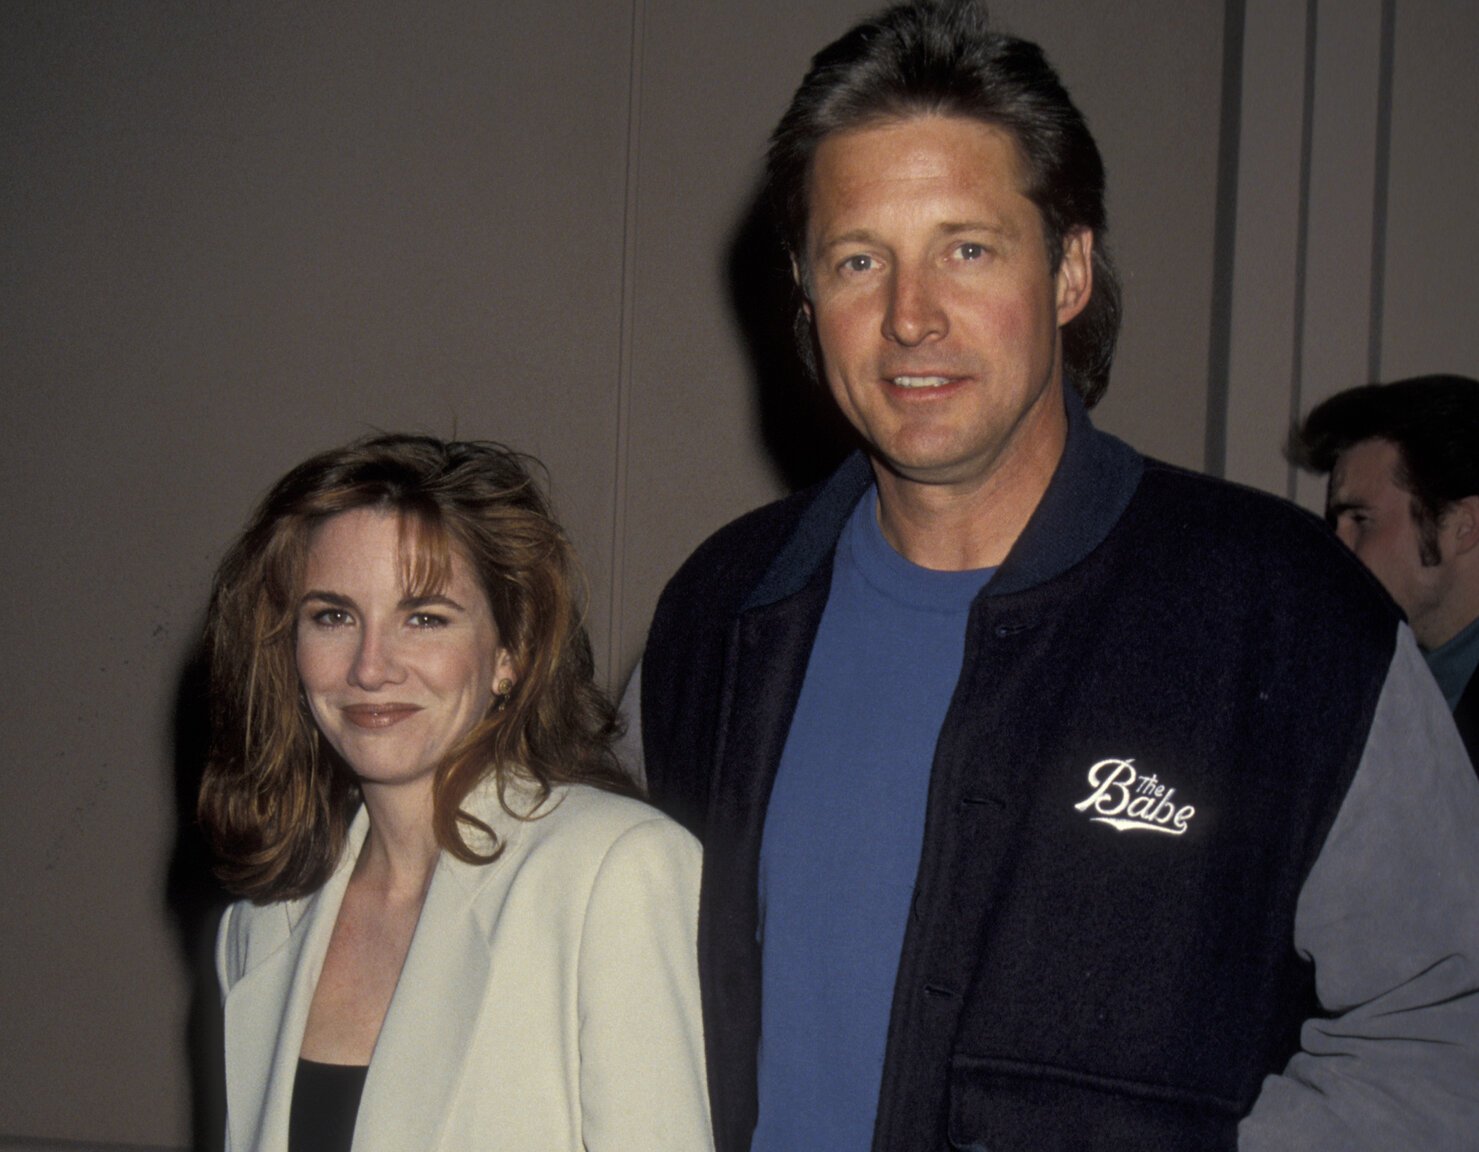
(1432, 420)
(942, 57)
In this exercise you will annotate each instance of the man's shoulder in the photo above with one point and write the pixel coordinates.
(1243, 553)
(1227, 497)
(1273, 542)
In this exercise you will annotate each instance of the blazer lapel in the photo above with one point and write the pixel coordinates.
(417, 1068)
(266, 1011)
(769, 652)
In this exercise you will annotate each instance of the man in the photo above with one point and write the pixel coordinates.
(1403, 461)
(1035, 815)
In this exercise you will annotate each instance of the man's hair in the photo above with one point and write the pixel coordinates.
(940, 57)
(1432, 421)
(276, 800)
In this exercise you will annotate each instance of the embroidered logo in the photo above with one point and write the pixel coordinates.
(1130, 802)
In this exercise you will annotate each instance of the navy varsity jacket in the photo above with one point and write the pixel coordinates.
(1168, 689)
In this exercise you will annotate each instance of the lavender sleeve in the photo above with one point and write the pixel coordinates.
(1389, 916)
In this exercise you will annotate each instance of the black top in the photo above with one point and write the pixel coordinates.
(325, 1103)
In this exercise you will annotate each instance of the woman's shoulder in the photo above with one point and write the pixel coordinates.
(587, 811)
(585, 801)
(618, 860)
(582, 822)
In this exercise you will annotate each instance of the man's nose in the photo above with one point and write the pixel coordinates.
(914, 314)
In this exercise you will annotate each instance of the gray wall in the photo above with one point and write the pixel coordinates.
(1351, 204)
(234, 233)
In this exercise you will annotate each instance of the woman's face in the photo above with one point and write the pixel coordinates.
(393, 680)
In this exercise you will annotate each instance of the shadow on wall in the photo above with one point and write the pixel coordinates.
(806, 438)
(195, 901)
(802, 429)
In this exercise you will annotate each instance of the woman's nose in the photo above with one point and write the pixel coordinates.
(376, 662)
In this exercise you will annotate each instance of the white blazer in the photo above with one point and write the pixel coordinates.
(549, 1000)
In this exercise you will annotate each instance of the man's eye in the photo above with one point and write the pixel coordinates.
(857, 264)
(972, 251)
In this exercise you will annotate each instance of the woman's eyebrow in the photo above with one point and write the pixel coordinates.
(433, 601)
(334, 598)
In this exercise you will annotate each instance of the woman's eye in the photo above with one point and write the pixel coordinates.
(427, 620)
(331, 618)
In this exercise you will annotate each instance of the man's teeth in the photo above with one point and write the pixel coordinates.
(920, 381)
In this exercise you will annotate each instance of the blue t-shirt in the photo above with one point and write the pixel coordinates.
(843, 833)
(1453, 664)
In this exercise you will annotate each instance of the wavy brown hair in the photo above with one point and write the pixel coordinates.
(276, 800)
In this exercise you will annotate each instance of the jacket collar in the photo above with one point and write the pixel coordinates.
(437, 1003)
(266, 1010)
(1089, 491)
(1087, 495)
(432, 1016)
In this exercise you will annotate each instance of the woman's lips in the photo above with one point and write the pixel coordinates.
(378, 715)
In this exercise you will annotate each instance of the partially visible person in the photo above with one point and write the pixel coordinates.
(461, 929)
(1403, 462)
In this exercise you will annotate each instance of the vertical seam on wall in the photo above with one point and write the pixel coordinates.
(1301, 259)
(624, 383)
(1224, 244)
(1380, 193)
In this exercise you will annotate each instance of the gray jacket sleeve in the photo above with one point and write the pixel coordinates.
(629, 747)
(1389, 915)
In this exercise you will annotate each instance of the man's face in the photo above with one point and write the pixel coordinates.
(1373, 516)
(934, 305)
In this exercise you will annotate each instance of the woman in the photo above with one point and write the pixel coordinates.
(461, 930)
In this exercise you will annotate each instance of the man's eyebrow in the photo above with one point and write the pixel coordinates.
(947, 228)
(852, 236)
(954, 228)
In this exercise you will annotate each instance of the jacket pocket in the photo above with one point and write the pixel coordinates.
(1001, 1105)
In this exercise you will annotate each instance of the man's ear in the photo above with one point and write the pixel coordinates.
(798, 277)
(1075, 278)
(1461, 524)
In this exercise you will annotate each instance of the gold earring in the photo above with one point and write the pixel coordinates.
(501, 691)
